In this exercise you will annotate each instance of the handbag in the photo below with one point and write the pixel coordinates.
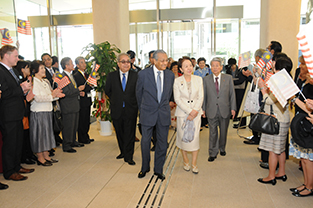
(57, 118)
(263, 122)
(252, 99)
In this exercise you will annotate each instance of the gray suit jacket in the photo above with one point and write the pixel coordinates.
(225, 100)
(70, 103)
(146, 92)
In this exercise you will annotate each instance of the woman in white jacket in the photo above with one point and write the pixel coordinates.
(188, 94)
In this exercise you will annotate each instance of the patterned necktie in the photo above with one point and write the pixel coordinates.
(159, 86)
(124, 82)
(216, 85)
(14, 75)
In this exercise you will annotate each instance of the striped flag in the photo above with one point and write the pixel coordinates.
(244, 59)
(282, 86)
(23, 26)
(305, 39)
(268, 76)
(61, 80)
(269, 65)
(261, 63)
(6, 38)
(92, 79)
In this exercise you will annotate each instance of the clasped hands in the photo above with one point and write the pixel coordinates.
(192, 115)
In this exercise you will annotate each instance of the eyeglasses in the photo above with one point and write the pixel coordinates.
(124, 62)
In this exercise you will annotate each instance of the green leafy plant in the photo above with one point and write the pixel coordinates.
(104, 54)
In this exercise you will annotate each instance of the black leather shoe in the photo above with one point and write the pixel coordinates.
(131, 162)
(235, 126)
(46, 163)
(142, 174)
(153, 148)
(51, 153)
(91, 140)
(211, 159)
(3, 186)
(29, 161)
(85, 142)
(70, 150)
(160, 176)
(52, 160)
(283, 178)
(273, 182)
(251, 142)
(303, 195)
(78, 145)
(295, 190)
(120, 156)
(223, 153)
(264, 165)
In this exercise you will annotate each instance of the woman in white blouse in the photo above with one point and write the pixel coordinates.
(41, 126)
(188, 94)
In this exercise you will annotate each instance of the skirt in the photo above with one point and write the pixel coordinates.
(296, 152)
(194, 144)
(41, 131)
(275, 143)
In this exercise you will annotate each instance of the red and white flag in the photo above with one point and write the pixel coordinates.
(305, 39)
(23, 26)
(61, 80)
(92, 79)
(261, 63)
(244, 59)
(6, 38)
(268, 76)
(282, 86)
(269, 65)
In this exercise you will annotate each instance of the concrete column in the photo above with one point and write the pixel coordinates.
(111, 22)
(280, 21)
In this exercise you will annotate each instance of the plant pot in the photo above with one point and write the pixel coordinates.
(105, 128)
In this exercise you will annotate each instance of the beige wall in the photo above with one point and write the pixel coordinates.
(111, 22)
(280, 21)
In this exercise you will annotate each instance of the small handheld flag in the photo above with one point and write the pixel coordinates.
(6, 38)
(93, 75)
(61, 80)
(23, 26)
(244, 59)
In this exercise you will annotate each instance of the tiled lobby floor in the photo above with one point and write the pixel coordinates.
(93, 178)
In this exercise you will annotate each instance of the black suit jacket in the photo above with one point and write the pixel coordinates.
(69, 103)
(48, 75)
(114, 90)
(81, 80)
(12, 99)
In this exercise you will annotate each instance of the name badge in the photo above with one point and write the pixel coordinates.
(88, 94)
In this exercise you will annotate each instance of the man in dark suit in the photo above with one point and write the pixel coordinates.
(218, 104)
(50, 71)
(121, 89)
(11, 115)
(154, 92)
(70, 107)
(85, 102)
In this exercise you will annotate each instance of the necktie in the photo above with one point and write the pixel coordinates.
(159, 86)
(124, 82)
(73, 81)
(14, 75)
(124, 86)
(216, 85)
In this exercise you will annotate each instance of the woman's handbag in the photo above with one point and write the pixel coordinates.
(252, 99)
(263, 122)
(57, 119)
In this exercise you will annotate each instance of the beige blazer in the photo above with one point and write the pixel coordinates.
(185, 102)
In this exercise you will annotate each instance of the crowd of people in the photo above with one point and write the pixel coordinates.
(185, 95)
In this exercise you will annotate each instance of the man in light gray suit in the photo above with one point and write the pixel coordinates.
(218, 104)
(154, 91)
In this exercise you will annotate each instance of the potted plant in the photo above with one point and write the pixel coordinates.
(104, 54)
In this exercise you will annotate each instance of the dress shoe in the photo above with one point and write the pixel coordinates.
(28, 161)
(211, 159)
(84, 142)
(120, 156)
(78, 145)
(186, 166)
(223, 153)
(264, 165)
(296, 190)
(131, 162)
(25, 170)
(51, 153)
(142, 174)
(52, 160)
(235, 126)
(136, 139)
(304, 195)
(251, 142)
(273, 182)
(236, 119)
(160, 176)
(195, 169)
(17, 177)
(91, 140)
(153, 148)
(46, 163)
(70, 150)
(3, 186)
(283, 178)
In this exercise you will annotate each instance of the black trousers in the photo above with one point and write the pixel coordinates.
(70, 124)
(84, 125)
(125, 129)
(12, 137)
(27, 152)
